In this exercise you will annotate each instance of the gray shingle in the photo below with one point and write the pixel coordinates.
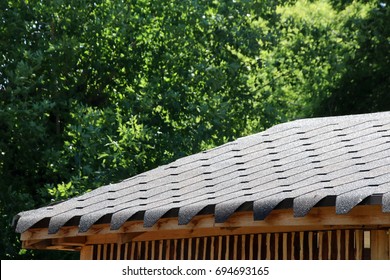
(297, 164)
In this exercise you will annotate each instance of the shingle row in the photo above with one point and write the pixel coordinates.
(306, 161)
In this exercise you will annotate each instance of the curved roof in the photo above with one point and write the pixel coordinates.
(341, 161)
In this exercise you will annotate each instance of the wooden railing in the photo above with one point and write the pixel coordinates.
(308, 245)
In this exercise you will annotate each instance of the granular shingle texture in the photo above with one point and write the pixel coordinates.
(342, 161)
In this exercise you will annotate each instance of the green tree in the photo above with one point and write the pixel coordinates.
(365, 84)
(93, 92)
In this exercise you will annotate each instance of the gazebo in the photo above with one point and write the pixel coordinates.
(308, 189)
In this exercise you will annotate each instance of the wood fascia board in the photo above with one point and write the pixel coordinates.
(319, 218)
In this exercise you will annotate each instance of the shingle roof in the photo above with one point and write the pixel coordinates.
(341, 161)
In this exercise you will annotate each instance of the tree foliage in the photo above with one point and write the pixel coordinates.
(93, 92)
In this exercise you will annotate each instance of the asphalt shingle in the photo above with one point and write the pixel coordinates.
(344, 159)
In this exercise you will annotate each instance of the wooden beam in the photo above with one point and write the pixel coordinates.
(37, 244)
(283, 220)
(70, 241)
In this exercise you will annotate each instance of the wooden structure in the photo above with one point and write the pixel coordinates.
(309, 189)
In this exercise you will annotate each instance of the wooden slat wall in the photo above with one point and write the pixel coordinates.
(313, 245)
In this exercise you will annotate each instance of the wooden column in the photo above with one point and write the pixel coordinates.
(380, 245)
(86, 253)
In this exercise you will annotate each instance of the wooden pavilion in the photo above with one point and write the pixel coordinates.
(308, 189)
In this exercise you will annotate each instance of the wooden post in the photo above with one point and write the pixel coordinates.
(86, 253)
(380, 245)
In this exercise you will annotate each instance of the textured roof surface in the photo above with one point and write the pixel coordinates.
(343, 161)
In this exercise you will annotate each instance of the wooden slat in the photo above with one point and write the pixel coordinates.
(293, 245)
(126, 253)
(276, 235)
(219, 248)
(310, 243)
(132, 252)
(212, 248)
(259, 246)
(285, 246)
(139, 247)
(182, 246)
(205, 239)
(320, 245)
(118, 251)
(153, 250)
(301, 244)
(366, 236)
(242, 247)
(227, 252)
(268, 244)
(251, 246)
(358, 244)
(99, 252)
(111, 251)
(197, 240)
(104, 251)
(147, 250)
(347, 244)
(329, 245)
(338, 234)
(189, 248)
(160, 249)
(167, 249)
(175, 249)
(235, 247)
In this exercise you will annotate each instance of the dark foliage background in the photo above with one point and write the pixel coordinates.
(93, 92)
